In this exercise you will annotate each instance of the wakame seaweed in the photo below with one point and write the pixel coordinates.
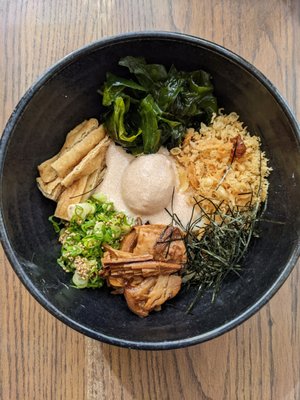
(156, 106)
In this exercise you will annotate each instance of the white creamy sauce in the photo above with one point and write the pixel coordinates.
(118, 161)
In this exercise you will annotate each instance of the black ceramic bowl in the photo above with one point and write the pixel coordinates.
(64, 96)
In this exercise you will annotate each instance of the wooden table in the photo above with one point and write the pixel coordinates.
(43, 359)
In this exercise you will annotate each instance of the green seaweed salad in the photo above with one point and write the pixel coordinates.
(156, 106)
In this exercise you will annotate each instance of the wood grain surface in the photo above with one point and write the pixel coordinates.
(43, 359)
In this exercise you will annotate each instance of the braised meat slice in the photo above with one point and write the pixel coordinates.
(170, 246)
(144, 267)
(151, 293)
(129, 241)
(163, 241)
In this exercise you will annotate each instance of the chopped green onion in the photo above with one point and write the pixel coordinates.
(79, 282)
(81, 210)
(93, 223)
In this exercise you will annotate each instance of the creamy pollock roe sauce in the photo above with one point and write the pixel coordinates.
(143, 186)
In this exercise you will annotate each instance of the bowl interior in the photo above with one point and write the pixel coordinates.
(67, 95)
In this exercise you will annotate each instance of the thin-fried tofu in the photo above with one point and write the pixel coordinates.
(93, 182)
(78, 132)
(47, 173)
(51, 190)
(71, 195)
(95, 159)
(65, 163)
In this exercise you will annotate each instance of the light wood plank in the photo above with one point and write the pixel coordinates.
(43, 359)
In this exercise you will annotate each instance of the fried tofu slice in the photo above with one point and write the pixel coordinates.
(71, 195)
(78, 132)
(47, 173)
(52, 190)
(76, 171)
(93, 160)
(73, 155)
(78, 192)
(93, 182)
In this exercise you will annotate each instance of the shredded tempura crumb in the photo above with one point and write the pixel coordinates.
(207, 169)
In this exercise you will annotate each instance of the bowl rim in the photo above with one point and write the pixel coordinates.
(21, 107)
